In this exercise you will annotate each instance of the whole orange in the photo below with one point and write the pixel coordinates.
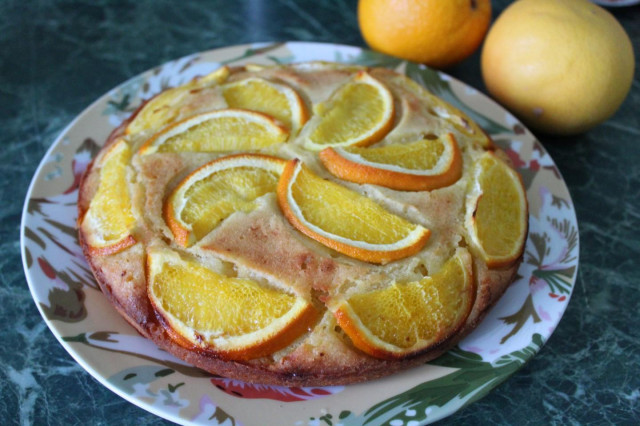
(561, 66)
(439, 33)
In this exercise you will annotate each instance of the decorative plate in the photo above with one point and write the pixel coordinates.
(112, 351)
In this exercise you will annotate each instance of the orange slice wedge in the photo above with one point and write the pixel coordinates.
(417, 166)
(218, 131)
(218, 189)
(344, 220)
(274, 99)
(234, 317)
(358, 113)
(166, 106)
(411, 317)
(497, 212)
(108, 222)
(445, 111)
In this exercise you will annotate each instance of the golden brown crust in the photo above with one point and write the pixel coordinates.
(262, 243)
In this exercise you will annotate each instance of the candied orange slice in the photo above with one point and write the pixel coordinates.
(218, 131)
(344, 220)
(235, 317)
(409, 317)
(497, 212)
(108, 222)
(274, 99)
(417, 166)
(216, 190)
(359, 112)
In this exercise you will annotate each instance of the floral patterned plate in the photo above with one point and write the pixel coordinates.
(108, 348)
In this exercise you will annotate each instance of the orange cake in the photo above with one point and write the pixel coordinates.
(307, 224)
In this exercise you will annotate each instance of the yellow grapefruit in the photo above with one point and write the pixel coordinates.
(561, 66)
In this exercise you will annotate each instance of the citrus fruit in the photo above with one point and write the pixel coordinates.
(410, 317)
(237, 317)
(167, 105)
(216, 190)
(344, 220)
(433, 32)
(417, 166)
(276, 100)
(359, 112)
(218, 131)
(561, 66)
(496, 217)
(109, 221)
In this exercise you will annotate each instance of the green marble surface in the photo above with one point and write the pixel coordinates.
(57, 57)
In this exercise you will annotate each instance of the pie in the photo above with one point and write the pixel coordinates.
(302, 225)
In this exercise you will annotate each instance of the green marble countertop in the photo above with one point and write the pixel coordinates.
(57, 57)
